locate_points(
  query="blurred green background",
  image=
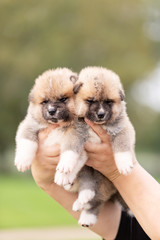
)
(36, 35)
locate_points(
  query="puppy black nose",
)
(101, 115)
(52, 111)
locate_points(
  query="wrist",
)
(111, 171)
(115, 176)
(121, 178)
(43, 177)
(112, 176)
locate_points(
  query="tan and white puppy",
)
(100, 98)
(50, 102)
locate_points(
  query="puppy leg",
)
(87, 219)
(91, 209)
(65, 168)
(124, 162)
(68, 160)
(67, 179)
(87, 188)
(84, 197)
(71, 149)
(72, 157)
(89, 216)
(25, 153)
(26, 143)
(123, 145)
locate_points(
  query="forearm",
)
(142, 194)
(108, 219)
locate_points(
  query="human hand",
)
(44, 165)
(100, 155)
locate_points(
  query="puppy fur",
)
(50, 102)
(58, 98)
(100, 98)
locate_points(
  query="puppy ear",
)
(74, 78)
(122, 96)
(77, 87)
(30, 97)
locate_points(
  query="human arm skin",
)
(43, 170)
(139, 189)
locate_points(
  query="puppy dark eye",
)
(45, 101)
(109, 101)
(63, 99)
(90, 101)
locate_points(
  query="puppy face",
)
(99, 95)
(51, 99)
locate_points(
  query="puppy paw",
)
(77, 206)
(68, 187)
(85, 196)
(25, 154)
(22, 167)
(87, 219)
(61, 179)
(68, 160)
(65, 180)
(124, 162)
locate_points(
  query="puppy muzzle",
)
(101, 114)
(52, 110)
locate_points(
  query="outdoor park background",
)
(37, 35)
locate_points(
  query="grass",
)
(23, 204)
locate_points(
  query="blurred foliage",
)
(37, 35)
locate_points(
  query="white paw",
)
(124, 162)
(77, 206)
(68, 160)
(61, 179)
(87, 219)
(25, 153)
(65, 180)
(85, 196)
(23, 166)
(68, 187)
(71, 178)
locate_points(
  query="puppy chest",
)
(93, 137)
(55, 137)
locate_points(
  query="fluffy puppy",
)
(50, 102)
(100, 98)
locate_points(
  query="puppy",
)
(50, 102)
(99, 97)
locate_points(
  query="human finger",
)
(93, 147)
(49, 162)
(89, 163)
(99, 131)
(53, 150)
(98, 148)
